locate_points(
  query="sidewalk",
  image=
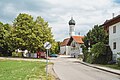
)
(114, 71)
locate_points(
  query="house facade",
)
(75, 43)
(112, 26)
(64, 48)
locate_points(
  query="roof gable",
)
(77, 39)
(110, 22)
(65, 42)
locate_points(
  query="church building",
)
(72, 45)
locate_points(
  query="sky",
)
(57, 13)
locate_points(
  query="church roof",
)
(72, 22)
(77, 39)
(65, 42)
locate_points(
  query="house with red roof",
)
(112, 26)
(75, 43)
(64, 48)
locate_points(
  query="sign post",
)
(47, 46)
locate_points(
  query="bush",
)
(85, 53)
(17, 54)
(1, 54)
(14, 54)
(99, 53)
(89, 58)
(118, 61)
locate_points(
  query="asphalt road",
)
(70, 69)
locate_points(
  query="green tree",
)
(55, 47)
(23, 25)
(44, 32)
(98, 53)
(25, 33)
(96, 35)
(5, 43)
(30, 34)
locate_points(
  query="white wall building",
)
(75, 43)
(112, 26)
(66, 46)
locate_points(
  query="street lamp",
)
(89, 46)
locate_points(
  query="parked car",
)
(53, 55)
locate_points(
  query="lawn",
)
(114, 66)
(22, 70)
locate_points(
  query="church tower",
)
(71, 27)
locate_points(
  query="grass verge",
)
(114, 66)
(22, 70)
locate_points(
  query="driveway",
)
(70, 69)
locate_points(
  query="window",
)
(114, 45)
(114, 29)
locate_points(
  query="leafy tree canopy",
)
(25, 33)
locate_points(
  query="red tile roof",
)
(110, 22)
(78, 39)
(65, 42)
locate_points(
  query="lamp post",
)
(89, 46)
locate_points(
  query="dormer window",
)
(114, 29)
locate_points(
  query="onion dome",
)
(72, 22)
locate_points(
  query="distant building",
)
(66, 46)
(112, 26)
(75, 43)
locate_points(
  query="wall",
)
(114, 37)
(62, 49)
(65, 49)
(75, 51)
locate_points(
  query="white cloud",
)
(86, 13)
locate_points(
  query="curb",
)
(53, 72)
(87, 64)
(56, 77)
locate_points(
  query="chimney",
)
(113, 15)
